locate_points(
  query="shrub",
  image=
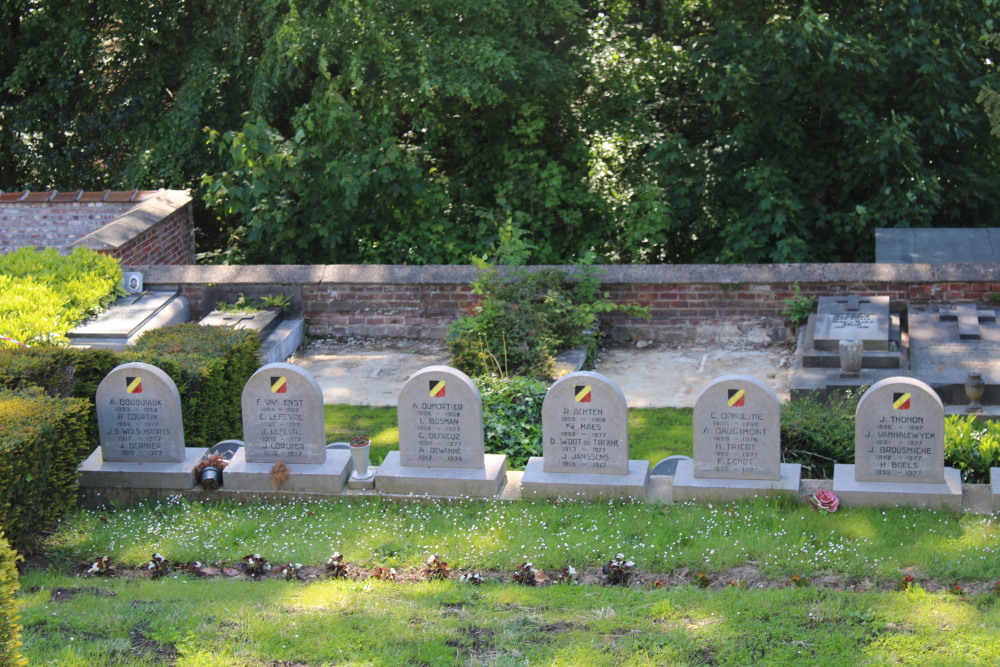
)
(819, 433)
(520, 324)
(42, 441)
(210, 365)
(972, 447)
(10, 629)
(44, 294)
(512, 417)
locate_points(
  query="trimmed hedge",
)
(10, 629)
(42, 441)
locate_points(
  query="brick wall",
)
(136, 227)
(687, 303)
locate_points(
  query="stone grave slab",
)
(864, 318)
(282, 407)
(441, 450)
(737, 444)
(949, 343)
(128, 317)
(584, 443)
(280, 336)
(898, 450)
(262, 322)
(141, 433)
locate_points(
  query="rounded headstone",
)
(283, 416)
(899, 433)
(585, 426)
(224, 448)
(737, 430)
(440, 414)
(139, 415)
(668, 466)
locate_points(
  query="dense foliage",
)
(10, 628)
(42, 441)
(972, 447)
(428, 131)
(512, 417)
(523, 320)
(818, 432)
(43, 294)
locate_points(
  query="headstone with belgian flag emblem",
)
(283, 416)
(440, 420)
(139, 416)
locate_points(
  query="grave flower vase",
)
(360, 447)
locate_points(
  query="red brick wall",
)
(45, 225)
(171, 241)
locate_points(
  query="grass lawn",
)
(750, 555)
(654, 433)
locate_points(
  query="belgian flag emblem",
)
(437, 389)
(583, 393)
(901, 401)
(737, 398)
(279, 385)
(133, 385)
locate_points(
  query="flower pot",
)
(974, 388)
(359, 455)
(210, 478)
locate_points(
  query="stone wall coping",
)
(135, 221)
(733, 274)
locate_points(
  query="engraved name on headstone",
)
(899, 433)
(737, 430)
(585, 426)
(440, 415)
(139, 415)
(283, 416)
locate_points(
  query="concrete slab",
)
(688, 487)
(328, 477)
(995, 488)
(394, 478)
(937, 246)
(882, 494)
(536, 483)
(282, 342)
(97, 473)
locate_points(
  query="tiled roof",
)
(56, 197)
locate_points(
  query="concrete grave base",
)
(881, 494)
(394, 478)
(536, 483)
(328, 477)
(95, 472)
(995, 488)
(688, 487)
(283, 341)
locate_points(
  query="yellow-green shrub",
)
(10, 629)
(43, 294)
(42, 441)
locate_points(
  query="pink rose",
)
(824, 500)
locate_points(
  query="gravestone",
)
(282, 407)
(584, 443)
(899, 450)
(839, 320)
(948, 343)
(280, 335)
(141, 432)
(261, 322)
(441, 450)
(737, 444)
(130, 316)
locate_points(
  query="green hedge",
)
(10, 629)
(42, 441)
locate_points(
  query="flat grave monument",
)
(584, 443)
(898, 450)
(129, 317)
(141, 433)
(737, 444)
(441, 449)
(283, 422)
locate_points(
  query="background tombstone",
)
(283, 423)
(584, 443)
(899, 450)
(441, 448)
(129, 317)
(141, 433)
(737, 444)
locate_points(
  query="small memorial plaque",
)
(852, 318)
(585, 426)
(440, 415)
(899, 433)
(737, 430)
(283, 416)
(139, 415)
